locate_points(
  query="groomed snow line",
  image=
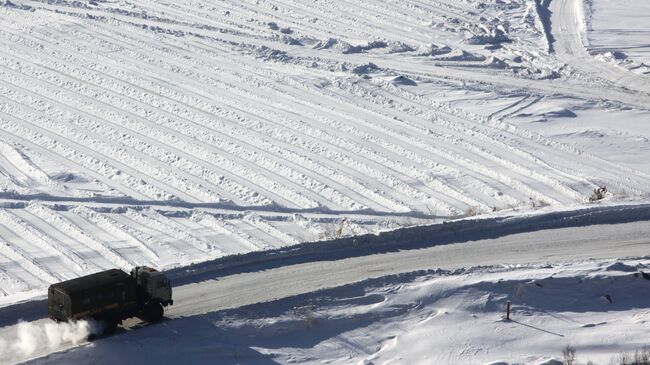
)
(260, 151)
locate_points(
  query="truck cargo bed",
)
(110, 293)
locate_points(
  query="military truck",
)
(111, 296)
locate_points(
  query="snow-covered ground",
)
(441, 317)
(572, 246)
(620, 34)
(171, 133)
(179, 133)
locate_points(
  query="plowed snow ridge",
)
(170, 134)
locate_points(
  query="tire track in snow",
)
(470, 145)
(14, 284)
(525, 102)
(490, 133)
(309, 184)
(63, 155)
(262, 224)
(170, 159)
(338, 129)
(351, 128)
(502, 143)
(403, 188)
(573, 175)
(515, 136)
(118, 155)
(28, 264)
(548, 199)
(271, 183)
(313, 183)
(289, 80)
(64, 225)
(230, 186)
(449, 153)
(153, 219)
(23, 163)
(97, 141)
(252, 243)
(83, 156)
(140, 239)
(338, 19)
(29, 232)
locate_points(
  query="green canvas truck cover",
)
(98, 294)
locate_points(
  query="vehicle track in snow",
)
(506, 166)
(251, 147)
(568, 28)
(602, 233)
(168, 134)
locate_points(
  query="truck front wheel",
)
(154, 312)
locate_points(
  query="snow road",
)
(215, 290)
(599, 241)
(569, 30)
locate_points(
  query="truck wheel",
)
(110, 326)
(154, 312)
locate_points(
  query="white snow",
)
(507, 261)
(441, 317)
(619, 34)
(177, 133)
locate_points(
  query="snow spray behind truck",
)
(111, 296)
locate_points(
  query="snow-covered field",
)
(174, 133)
(171, 133)
(620, 34)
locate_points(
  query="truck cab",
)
(153, 285)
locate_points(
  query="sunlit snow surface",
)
(170, 133)
(443, 317)
(620, 32)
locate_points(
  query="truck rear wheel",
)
(110, 326)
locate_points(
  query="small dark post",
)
(508, 310)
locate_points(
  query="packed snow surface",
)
(171, 133)
(436, 317)
(261, 308)
(619, 34)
